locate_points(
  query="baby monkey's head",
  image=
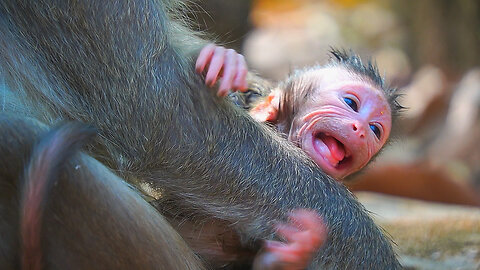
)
(340, 113)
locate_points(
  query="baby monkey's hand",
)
(226, 64)
(305, 234)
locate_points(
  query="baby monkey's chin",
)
(329, 153)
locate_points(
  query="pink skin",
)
(304, 234)
(338, 138)
(226, 64)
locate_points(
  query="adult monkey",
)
(77, 221)
(119, 65)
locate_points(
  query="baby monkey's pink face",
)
(343, 123)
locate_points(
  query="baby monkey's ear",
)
(266, 110)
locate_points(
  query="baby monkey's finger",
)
(204, 57)
(215, 66)
(229, 72)
(240, 82)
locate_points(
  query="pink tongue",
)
(337, 150)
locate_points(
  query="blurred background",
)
(425, 188)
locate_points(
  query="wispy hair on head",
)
(369, 70)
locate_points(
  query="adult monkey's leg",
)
(91, 220)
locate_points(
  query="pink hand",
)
(305, 234)
(222, 63)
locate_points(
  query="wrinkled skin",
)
(344, 123)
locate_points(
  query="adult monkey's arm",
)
(113, 64)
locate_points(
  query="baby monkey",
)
(340, 113)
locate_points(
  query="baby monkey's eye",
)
(350, 102)
(375, 130)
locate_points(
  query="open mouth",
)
(332, 150)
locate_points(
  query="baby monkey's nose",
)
(358, 129)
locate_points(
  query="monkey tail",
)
(46, 162)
